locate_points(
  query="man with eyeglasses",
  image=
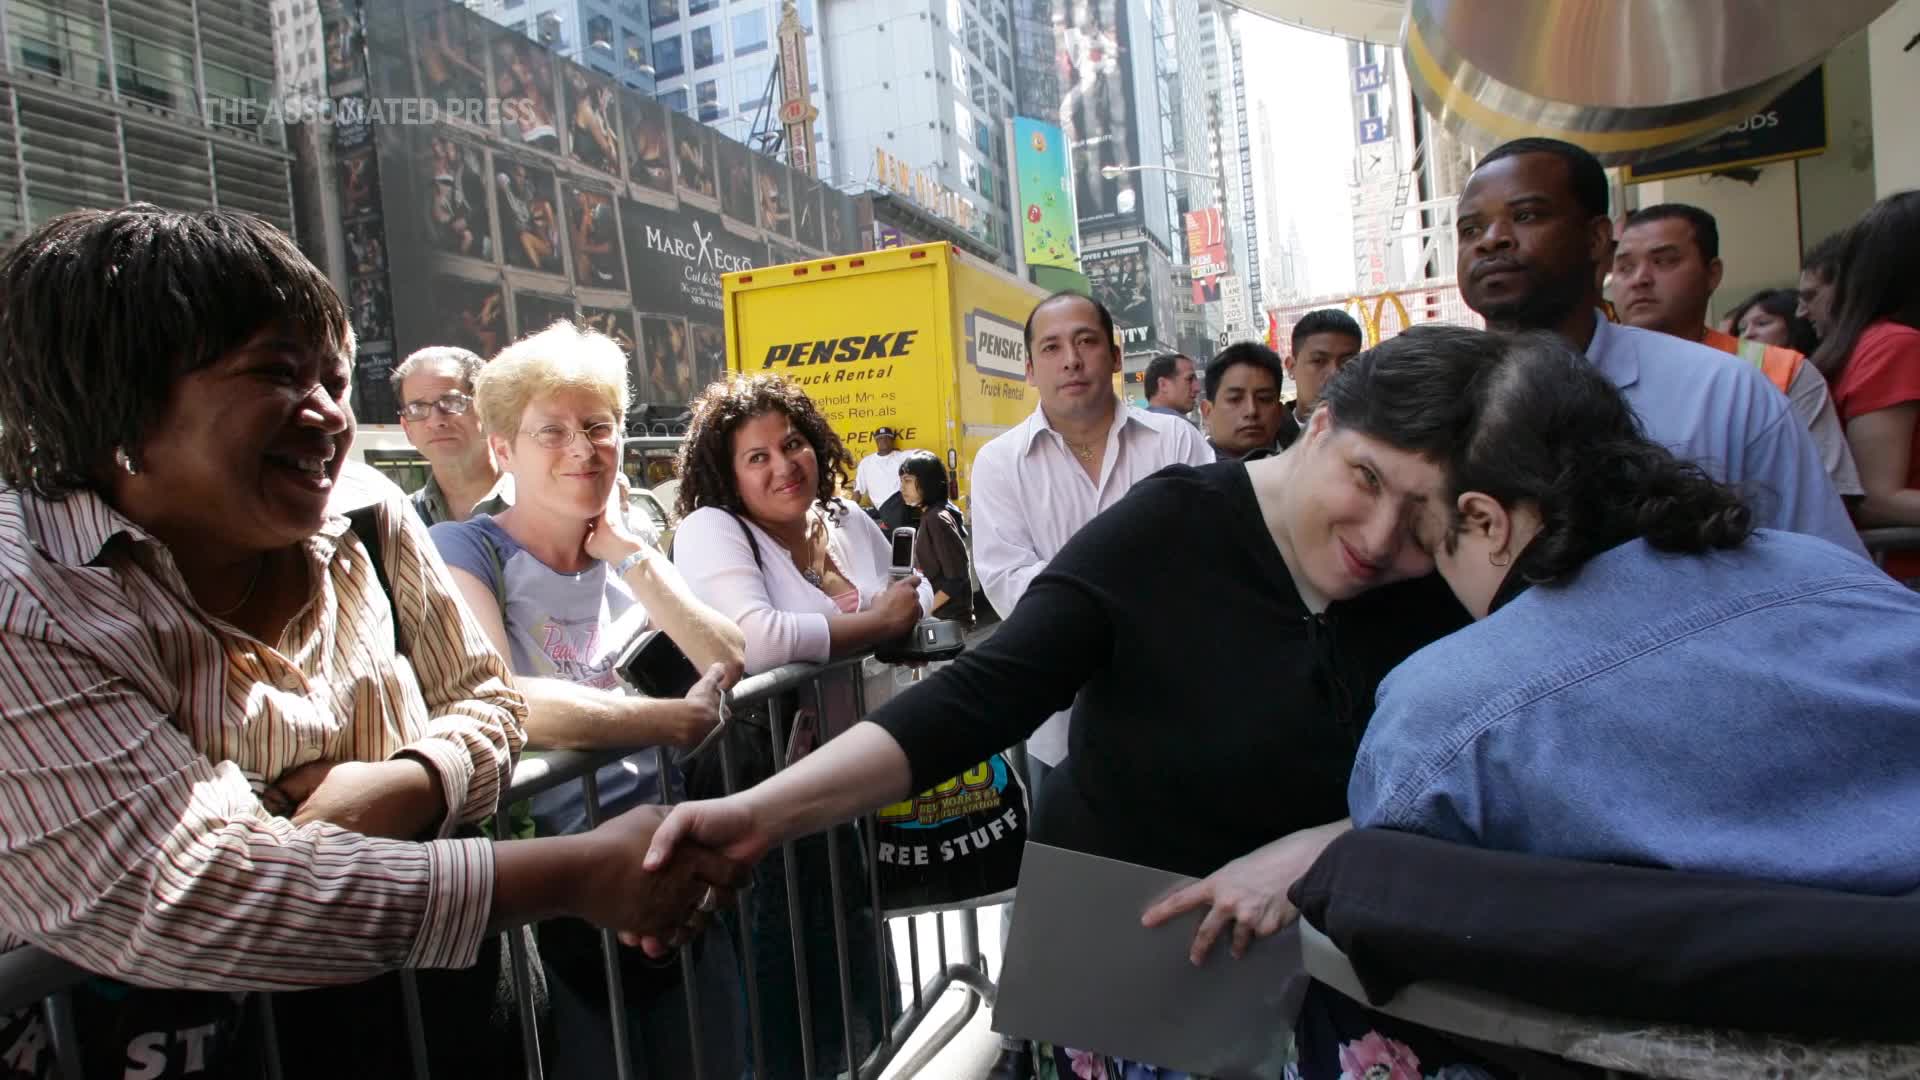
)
(435, 388)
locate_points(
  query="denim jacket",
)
(1752, 712)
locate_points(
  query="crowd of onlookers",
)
(1523, 589)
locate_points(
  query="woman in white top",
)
(805, 575)
(561, 584)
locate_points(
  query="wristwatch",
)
(620, 568)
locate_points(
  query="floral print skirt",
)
(1059, 1063)
(1338, 1038)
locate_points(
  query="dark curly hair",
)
(705, 463)
(1549, 430)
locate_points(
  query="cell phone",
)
(656, 667)
(902, 553)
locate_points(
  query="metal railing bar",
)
(883, 972)
(837, 893)
(913, 954)
(689, 976)
(743, 908)
(60, 1031)
(270, 1038)
(520, 961)
(416, 1023)
(843, 962)
(789, 861)
(610, 951)
(30, 976)
(544, 770)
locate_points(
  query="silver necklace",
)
(259, 569)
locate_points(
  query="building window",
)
(704, 54)
(553, 32)
(662, 12)
(600, 33)
(667, 61)
(983, 138)
(750, 86)
(513, 3)
(675, 100)
(701, 7)
(636, 50)
(706, 96)
(749, 31)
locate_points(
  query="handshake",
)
(655, 875)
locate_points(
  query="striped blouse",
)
(137, 732)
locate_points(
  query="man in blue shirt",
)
(1171, 385)
(1534, 233)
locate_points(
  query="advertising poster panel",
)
(1122, 279)
(530, 189)
(1206, 253)
(1049, 233)
(1097, 109)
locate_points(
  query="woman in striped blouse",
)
(228, 760)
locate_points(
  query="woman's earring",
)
(121, 457)
(1501, 560)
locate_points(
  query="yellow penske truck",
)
(926, 340)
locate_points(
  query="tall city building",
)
(601, 35)
(171, 104)
(1231, 136)
(1189, 87)
(561, 195)
(298, 47)
(1283, 274)
(918, 102)
(1409, 173)
(1109, 73)
(717, 62)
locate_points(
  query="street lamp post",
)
(1114, 172)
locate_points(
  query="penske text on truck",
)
(925, 340)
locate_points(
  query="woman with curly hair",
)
(764, 540)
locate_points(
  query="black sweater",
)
(1214, 713)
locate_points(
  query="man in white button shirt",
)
(1036, 485)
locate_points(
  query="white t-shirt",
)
(878, 476)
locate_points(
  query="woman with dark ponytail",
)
(1650, 679)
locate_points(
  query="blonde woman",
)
(560, 584)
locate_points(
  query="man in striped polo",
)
(1666, 267)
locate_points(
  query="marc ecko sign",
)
(843, 350)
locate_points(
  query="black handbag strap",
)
(366, 525)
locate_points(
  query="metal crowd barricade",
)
(30, 976)
(1883, 542)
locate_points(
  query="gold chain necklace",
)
(1084, 453)
(253, 583)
